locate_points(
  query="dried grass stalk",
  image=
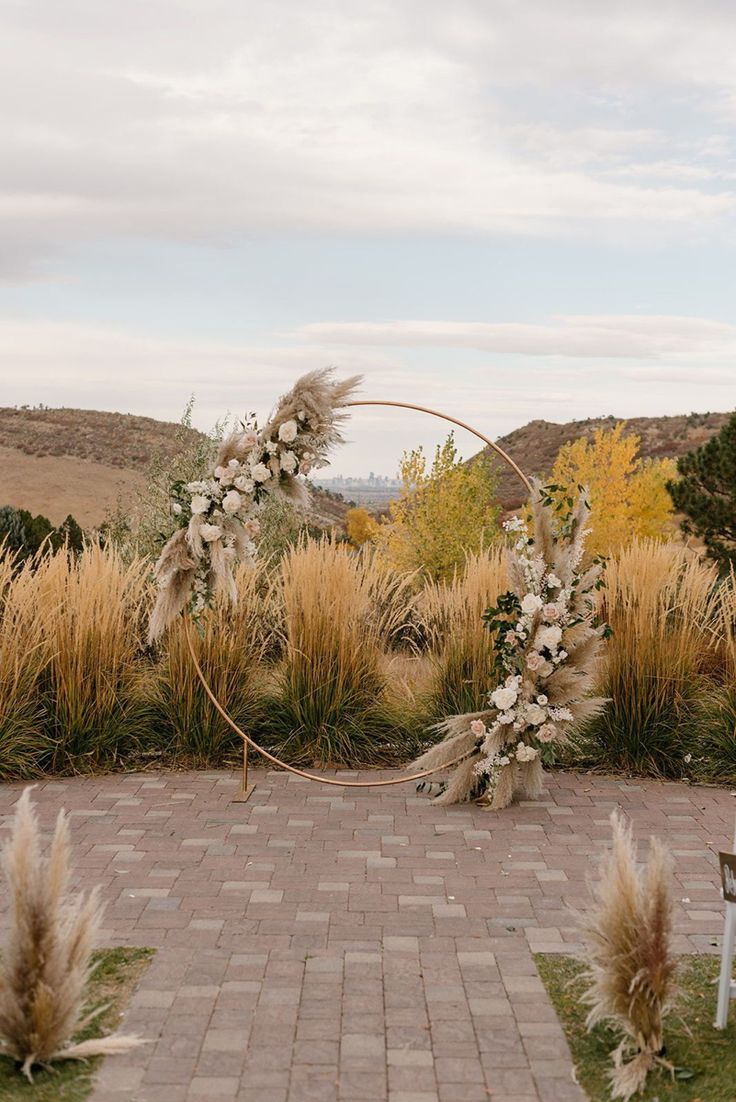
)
(629, 958)
(46, 960)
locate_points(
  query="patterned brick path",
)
(319, 943)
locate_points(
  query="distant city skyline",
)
(505, 212)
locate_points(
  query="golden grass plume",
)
(46, 960)
(628, 955)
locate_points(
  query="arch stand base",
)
(246, 790)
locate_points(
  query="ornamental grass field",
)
(333, 658)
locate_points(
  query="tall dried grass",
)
(332, 703)
(46, 960)
(450, 617)
(231, 653)
(23, 658)
(629, 958)
(89, 611)
(663, 606)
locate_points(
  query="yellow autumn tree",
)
(628, 495)
(442, 513)
(360, 526)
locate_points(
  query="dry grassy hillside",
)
(535, 446)
(84, 461)
(60, 461)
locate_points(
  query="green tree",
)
(706, 493)
(441, 514)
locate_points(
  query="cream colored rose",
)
(550, 612)
(478, 727)
(289, 462)
(534, 662)
(548, 637)
(200, 504)
(232, 502)
(531, 603)
(260, 473)
(525, 753)
(288, 431)
(504, 698)
(245, 484)
(547, 733)
(535, 714)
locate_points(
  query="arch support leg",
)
(246, 789)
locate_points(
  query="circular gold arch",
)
(245, 789)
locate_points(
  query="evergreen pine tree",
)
(706, 493)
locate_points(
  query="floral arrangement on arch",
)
(547, 638)
(217, 517)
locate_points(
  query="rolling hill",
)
(84, 462)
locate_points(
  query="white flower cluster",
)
(532, 650)
(221, 512)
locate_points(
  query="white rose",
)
(231, 502)
(288, 431)
(200, 504)
(288, 462)
(234, 464)
(478, 727)
(219, 472)
(504, 698)
(531, 604)
(525, 753)
(554, 581)
(542, 699)
(245, 484)
(210, 532)
(535, 714)
(260, 473)
(547, 733)
(548, 637)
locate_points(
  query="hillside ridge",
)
(63, 460)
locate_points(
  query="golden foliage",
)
(628, 496)
(360, 526)
(45, 962)
(630, 962)
(441, 514)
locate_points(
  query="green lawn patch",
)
(117, 974)
(705, 1057)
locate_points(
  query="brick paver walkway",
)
(326, 944)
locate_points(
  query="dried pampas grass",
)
(628, 956)
(45, 962)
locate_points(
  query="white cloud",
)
(203, 120)
(630, 336)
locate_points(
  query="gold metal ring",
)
(248, 741)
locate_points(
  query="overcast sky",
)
(506, 209)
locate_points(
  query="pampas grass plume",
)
(629, 959)
(46, 960)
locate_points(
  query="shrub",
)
(89, 611)
(706, 493)
(662, 605)
(189, 730)
(332, 702)
(23, 658)
(450, 615)
(441, 514)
